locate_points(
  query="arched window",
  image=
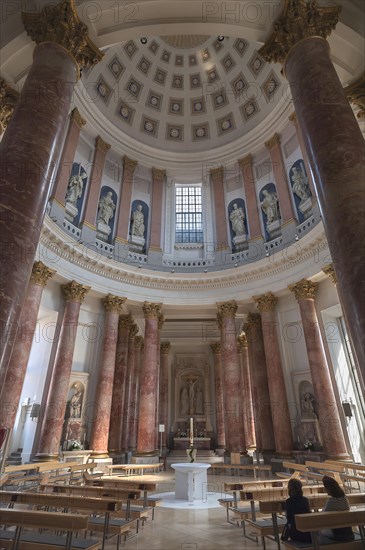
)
(188, 214)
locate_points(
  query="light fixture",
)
(172, 270)
(220, 38)
(143, 40)
(139, 265)
(267, 254)
(296, 237)
(205, 270)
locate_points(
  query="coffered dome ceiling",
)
(183, 92)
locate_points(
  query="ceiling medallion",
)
(185, 41)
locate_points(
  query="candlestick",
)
(191, 432)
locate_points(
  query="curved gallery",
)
(184, 183)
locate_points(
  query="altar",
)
(181, 443)
(191, 480)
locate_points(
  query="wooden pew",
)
(131, 469)
(31, 519)
(254, 468)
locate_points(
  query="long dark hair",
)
(332, 487)
(295, 488)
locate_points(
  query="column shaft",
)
(138, 343)
(217, 177)
(164, 379)
(286, 206)
(249, 421)
(129, 381)
(158, 178)
(219, 400)
(93, 192)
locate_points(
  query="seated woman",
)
(337, 502)
(296, 504)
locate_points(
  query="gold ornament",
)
(102, 145)
(77, 118)
(158, 174)
(151, 311)
(266, 302)
(216, 347)
(41, 274)
(8, 99)
(356, 95)
(304, 289)
(113, 303)
(274, 140)
(165, 347)
(228, 309)
(330, 271)
(138, 342)
(74, 292)
(125, 321)
(246, 161)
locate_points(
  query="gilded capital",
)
(304, 289)
(41, 274)
(60, 24)
(165, 347)
(243, 340)
(217, 174)
(138, 342)
(274, 140)
(113, 303)
(219, 319)
(133, 331)
(266, 302)
(77, 118)
(161, 320)
(158, 174)
(356, 95)
(330, 271)
(8, 99)
(252, 324)
(129, 164)
(102, 145)
(151, 311)
(246, 161)
(299, 19)
(293, 118)
(125, 321)
(216, 347)
(74, 292)
(228, 309)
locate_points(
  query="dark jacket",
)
(297, 505)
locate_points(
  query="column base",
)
(150, 457)
(45, 457)
(341, 457)
(99, 454)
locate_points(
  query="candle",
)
(191, 432)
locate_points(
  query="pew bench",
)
(236, 468)
(29, 519)
(136, 469)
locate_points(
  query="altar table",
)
(191, 480)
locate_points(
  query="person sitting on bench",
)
(337, 502)
(296, 504)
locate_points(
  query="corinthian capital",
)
(161, 320)
(165, 347)
(266, 302)
(125, 321)
(216, 347)
(133, 331)
(41, 274)
(102, 145)
(129, 164)
(356, 95)
(138, 342)
(74, 292)
(304, 289)
(77, 118)
(252, 324)
(151, 311)
(228, 309)
(274, 140)
(299, 19)
(61, 24)
(243, 340)
(158, 174)
(113, 303)
(217, 174)
(330, 271)
(246, 161)
(8, 99)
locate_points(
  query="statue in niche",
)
(270, 205)
(184, 401)
(75, 187)
(300, 183)
(307, 405)
(106, 208)
(138, 222)
(237, 219)
(198, 401)
(75, 402)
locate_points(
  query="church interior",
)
(182, 220)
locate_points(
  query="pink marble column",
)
(158, 178)
(124, 217)
(328, 418)
(219, 400)
(68, 156)
(120, 373)
(93, 189)
(30, 151)
(164, 390)
(217, 179)
(13, 385)
(235, 436)
(161, 321)
(278, 399)
(138, 345)
(286, 205)
(148, 389)
(264, 429)
(103, 401)
(294, 120)
(54, 414)
(248, 416)
(254, 227)
(128, 416)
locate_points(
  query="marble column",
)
(103, 400)
(335, 147)
(138, 345)
(219, 400)
(129, 167)
(161, 321)
(235, 436)
(278, 400)
(264, 430)
(54, 413)
(68, 156)
(93, 189)
(120, 373)
(287, 209)
(148, 389)
(13, 385)
(30, 151)
(164, 391)
(329, 421)
(217, 179)
(248, 416)
(129, 389)
(254, 227)
(158, 178)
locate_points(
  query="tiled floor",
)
(189, 529)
